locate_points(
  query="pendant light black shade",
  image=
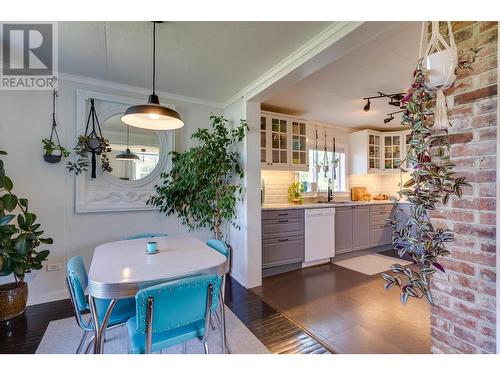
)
(127, 154)
(153, 115)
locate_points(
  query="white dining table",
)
(120, 269)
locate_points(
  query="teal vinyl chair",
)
(146, 235)
(77, 281)
(220, 315)
(173, 313)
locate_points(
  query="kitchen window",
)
(317, 158)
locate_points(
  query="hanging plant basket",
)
(91, 142)
(54, 152)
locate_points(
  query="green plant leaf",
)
(4, 220)
(9, 202)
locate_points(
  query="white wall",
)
(247, 262)
(25, 119)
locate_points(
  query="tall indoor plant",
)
(18, 241)
(201, 187)
(432, 182)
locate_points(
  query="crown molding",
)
(319, 43)
(135, 89)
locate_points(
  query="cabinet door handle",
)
(283, 240)
(283, 214)
(283, 221)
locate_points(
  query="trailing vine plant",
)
(432, 182)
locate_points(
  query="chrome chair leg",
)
(89, 345)
(208, 314)
(82, 342)
(205, 346)
(222, 325)
(184, 347)
(149, 325)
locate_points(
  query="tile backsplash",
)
(378, 183)
(277, 182)
(276, 185)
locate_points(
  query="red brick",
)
(454, 138)
(465, 282)
(464, 295)
(482, 121)
(457, 215)
(475, 257)
(489, 316)
(467, 310)
(474, 149)
(489, 247)
(487, 218)
(465, 335)
(464, 163)
(457, 266)
(488, 331)
(487, 190)
(468, 203)
(441, 324)
(488, 274)
(486, 302)
(487, 37)
(488, 346)
(489, 162)
(465, 322)
(486, 134)
(457, 25)
(480, 66)
(486, 176)
(487, 204)
(485, 79)
(460, 86)
(460, 345)
(459, 112)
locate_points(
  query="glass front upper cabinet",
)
(373, 152)
(392, 151)
(283, 142)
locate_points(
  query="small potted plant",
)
(53, 152)
(295, 191)
(18, 241)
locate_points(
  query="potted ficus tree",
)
(20, 235)
(201, 187)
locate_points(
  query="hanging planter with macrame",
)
(439, 61)
(54, 152)
(91, 142)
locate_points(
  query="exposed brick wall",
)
(464, 319)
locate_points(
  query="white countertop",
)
(284, 206)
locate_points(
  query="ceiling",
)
(204, 60)
(333, 94)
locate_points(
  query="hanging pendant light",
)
(127, 154)
(152, 115)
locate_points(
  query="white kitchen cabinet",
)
(365, 151)
(406, 140)
(283, 142)
(374, 152)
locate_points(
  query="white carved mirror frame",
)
(107, 192)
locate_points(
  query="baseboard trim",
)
(39, 298)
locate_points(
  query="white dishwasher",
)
(319, 234)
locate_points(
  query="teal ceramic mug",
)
(152, 246)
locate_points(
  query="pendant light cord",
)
(154, 57)
(128, 137)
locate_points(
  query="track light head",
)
(388, 119)
(366, 108)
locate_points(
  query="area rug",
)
(63, 336)
(370, 264)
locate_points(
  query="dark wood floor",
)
(273, 329)
(349, 311)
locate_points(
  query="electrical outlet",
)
(54, 267)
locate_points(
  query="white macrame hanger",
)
(438, 44)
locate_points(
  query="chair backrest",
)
(78, 281)
(146, 235)
(177, 303)
(222, 248)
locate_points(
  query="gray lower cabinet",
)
(360, 228)
(343, 230)
(282, 238)
(380, 230)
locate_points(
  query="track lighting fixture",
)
(366, 108)
(391, 116)
(394, 99)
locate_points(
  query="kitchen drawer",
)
(380, 235)
(282, 214)
(273, 228)
(380, 208)
(280, 251)
(377, 218)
